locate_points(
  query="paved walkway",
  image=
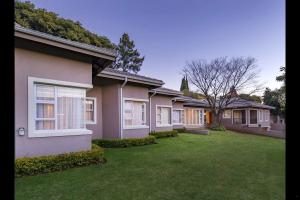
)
(271, 133)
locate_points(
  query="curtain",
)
(45, 97)
(165, 115)
(176, 116)
(134, 113)
(70, 108)
(189, 116)
(196, 117)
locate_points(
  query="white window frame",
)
(225, 116)
(94, 99)
(145, 114)
(267, 115)
(163, 125)
(32, 107)
(246, 115)
(257, 118)
(181, 113)
(261, 115)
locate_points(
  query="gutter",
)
(121, 107)
(150, 110)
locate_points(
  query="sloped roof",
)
(38, 34)
(242, 103)
(117, 74)
(166, 91)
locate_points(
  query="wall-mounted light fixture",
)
(21, 131)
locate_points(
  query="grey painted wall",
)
(98, 127)
(110, 111)
(29, 63)
(159, 100)
(136, 92)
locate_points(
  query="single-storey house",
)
(65, 96)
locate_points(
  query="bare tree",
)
(219, 77)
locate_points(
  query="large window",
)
(134, 114)
(58, 107)
(239, 116)
(163, 115)
(178, 116)
(194, 116)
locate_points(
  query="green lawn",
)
(222, 165)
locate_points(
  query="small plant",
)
(216, 127)
(181, 130)
(163, 134)
(128, 142)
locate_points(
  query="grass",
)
(222, 165)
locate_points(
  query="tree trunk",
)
(216, 119)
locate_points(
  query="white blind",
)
(134, 113)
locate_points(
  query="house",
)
(65, 96)
(247, 113)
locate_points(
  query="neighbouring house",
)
(247, 113)
(65, 96)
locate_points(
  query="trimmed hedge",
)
(216, 127)
(37, 165)
(127, 142)
(163, 134)
(180, 130)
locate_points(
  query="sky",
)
(170, 33)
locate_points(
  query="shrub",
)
(37, 165)
(181, 130)
(163, 134)
(216, 127)
(128, 142)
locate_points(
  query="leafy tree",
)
(49, 22)
(281, 90)
(128, 58)
(271, 98)
(282, 76)
(184, 84)
(251, 97)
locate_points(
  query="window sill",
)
(164, 125)
(177, 123)
(66, 132)
(136, 127)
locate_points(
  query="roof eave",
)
(129, 79)
(47, 39)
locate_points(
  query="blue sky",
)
(170, 33)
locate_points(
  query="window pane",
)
(189, 116)
(165, 115)
(70, 108)
(89, 110)
(44, 124)
(196, 117)
(134, 113)
(89, 116)
(253, 116)
(176, 116)
(44, 110)
(45, 92)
